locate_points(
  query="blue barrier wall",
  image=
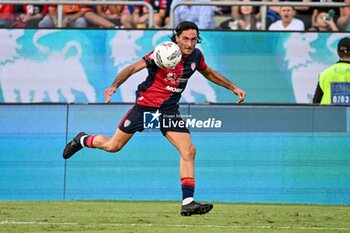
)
(266, 154)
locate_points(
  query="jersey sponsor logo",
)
(174, 89)
(172, 78)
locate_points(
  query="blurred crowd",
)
(206, 17)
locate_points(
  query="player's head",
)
(344, 48)
(186, 36)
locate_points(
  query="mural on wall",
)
(78, 65)
(298, 53)
(24, 79)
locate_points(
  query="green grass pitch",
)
(137, 216)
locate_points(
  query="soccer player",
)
(161, 94)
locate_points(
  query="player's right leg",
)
(108, 144)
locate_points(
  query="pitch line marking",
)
(7, 222)
(235, 226)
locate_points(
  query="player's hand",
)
(108, 93)
(241, 95)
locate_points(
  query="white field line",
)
(6, 222)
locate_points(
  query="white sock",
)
(187, 201)
(82, 140)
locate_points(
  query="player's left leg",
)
(109, 144)
(121, 136)
(183, 143)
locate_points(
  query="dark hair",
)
(253, 19)
(183, 26)
(344, 47)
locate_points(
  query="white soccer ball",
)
(167, 55)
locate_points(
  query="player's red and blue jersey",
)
(162, 88)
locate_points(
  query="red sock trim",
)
(188, 181)
(89, 140)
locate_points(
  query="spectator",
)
(343, 24)
(127, 18)
(326, 9)
(246, 20)
(334, 82)
(272, 13)
(323, 23)
(288, 22)
(7, 15)
(73, 16)
(110, 12)
(140, 15)
(95, 19)
(167, 13)
(344, 20)
(29, 16)
(203, 16)
(304, 13)
(232, 10)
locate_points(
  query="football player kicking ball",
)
(161, 95)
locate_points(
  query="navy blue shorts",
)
(140, 117)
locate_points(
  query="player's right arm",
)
(123, 76)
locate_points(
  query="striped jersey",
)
(162, 88)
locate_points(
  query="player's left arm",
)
(219, 79)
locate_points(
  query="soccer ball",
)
(167, 55)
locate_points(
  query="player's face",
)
(187, 41)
